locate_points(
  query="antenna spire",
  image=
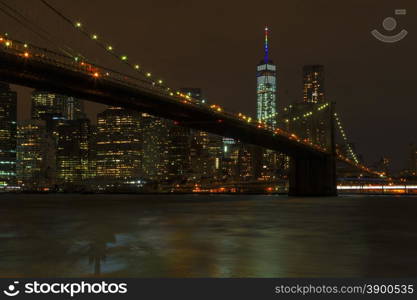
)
(266, 45)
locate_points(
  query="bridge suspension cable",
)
(110, 49)
(35, 28)
(345, 139)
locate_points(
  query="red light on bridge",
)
(219, 121)
(176, 123)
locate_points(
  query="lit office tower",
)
(35, 156)
(155, 148)
(72, 153)
(8, 128)
(119, 147)
(206, 148)
(313, 83)
(47, 106)
(179, 153)
(267, 88)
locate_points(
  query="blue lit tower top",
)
(266, 45)
(267, 88)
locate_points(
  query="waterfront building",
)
(72, 153)
(8, 130)
(206, 155)
(118, 149)
(35, 156)
(155, 148)
(179, 153)
(240, 162)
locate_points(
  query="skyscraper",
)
(119, 148)
(72, 153)
(267, 88)
(267, 109)
(47, 105)
(35, 156)
(313, 83)
(179, 153)
(206, 149)
(8, 128)
(155, 148)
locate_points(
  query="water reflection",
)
(199, 236)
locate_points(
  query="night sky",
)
(216, 45)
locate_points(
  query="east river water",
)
(67, 235)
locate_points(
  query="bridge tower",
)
(315, 176)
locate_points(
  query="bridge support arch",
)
(313, 176)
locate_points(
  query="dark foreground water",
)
(207, 236)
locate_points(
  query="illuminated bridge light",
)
(96, 74)
(148, 74)
(78, 24)
(26, 54)
(94, 37)
(160, 81)
(123, 57)
(110, 48)
(137, 67)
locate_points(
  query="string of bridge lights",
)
(109, 48)
(112, 50)
(307, 114)
(343, 134)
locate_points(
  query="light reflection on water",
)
(207, 236)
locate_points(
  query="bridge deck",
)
(57, 77)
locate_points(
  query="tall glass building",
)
(8, 128)
(47, 105)
(267, 88)
(119, 148)
(72, 153)
(35, 156)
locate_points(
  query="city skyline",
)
(357, 65)
(221, 139)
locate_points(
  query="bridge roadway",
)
(313, 168)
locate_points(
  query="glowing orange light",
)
(96, 74)
(26, 54)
